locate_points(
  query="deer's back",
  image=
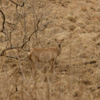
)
(45, 55)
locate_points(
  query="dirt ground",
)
(26, 24)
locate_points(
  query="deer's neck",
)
(59, 49)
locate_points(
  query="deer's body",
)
(45, 55)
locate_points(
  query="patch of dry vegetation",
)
(26, 24)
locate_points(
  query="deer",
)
(46, 55)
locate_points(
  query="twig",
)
(17, 4)
(3, 20)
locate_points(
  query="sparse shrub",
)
(72, 27)
(72, 19)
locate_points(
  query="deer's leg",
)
(52, 66)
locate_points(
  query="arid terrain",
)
(28, 24)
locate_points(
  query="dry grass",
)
(77, 69)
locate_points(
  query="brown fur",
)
(47, 55)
